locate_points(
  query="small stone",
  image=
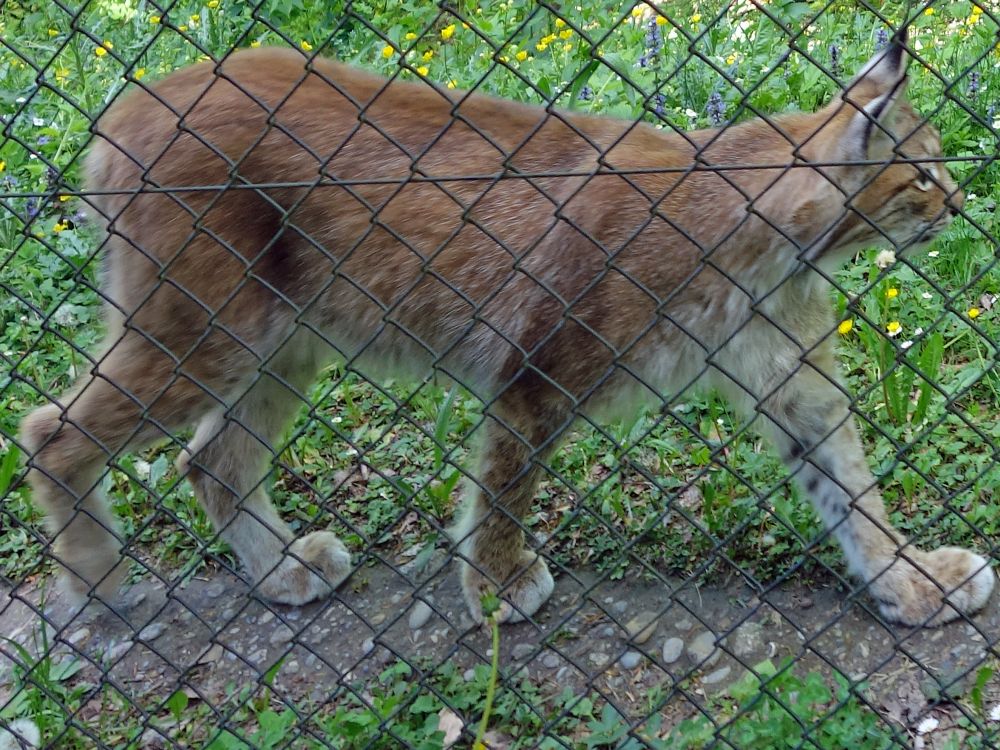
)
(521, 651)
(265, 618)
(562, 674)
(291, 667)
(683, 624)
(152, 739)
(672, 650)
(367, 646)
(717, 676)
(212, 655)
(598, 658)
(469, 675)
(619, 607)
(641, 627)
(138, 599)
(258, 656)
(702, 649)
(551, 660)
(608, 631)
(214, 590)
(396, 598)
(228, 613)
(282, 635)
(119, 650)
(630, 659)
(419, 615)
(378, 618)
(863, 650)
(748, 639)
(77, 636)
(152, 631)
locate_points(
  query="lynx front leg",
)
(815, 431)
(227, 463)
(495, 558)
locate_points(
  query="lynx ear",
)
(875, 95)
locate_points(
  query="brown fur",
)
(554, 264)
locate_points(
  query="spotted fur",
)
(267, 216)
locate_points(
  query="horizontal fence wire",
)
(499, 375)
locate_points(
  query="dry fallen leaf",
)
(451, 725)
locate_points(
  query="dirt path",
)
(207, 635)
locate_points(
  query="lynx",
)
(557, 265)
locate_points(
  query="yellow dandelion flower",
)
(560, 23)
(541, 46)
(845, 327)
(59, 227)
(255, 43)
(549, 39)
(636, 12)
(521, 55)
(568, 46)
(155, 20)
(428, 54)
(731, 60)
(306, 47)
(696, 18)
(213, 4)
(447, 31)
(566, 33)
(973, 312)
(388, 51)
(452, 83)
(182, 27)
(465, 25)
(423, 70)
(929, 12)
(100, 52)
(410, 35)
(976, 10)
(53, 32)
(502, 58)
(893, 327)
(64, 198)
(660, 21)
(139, 73)
(195, 19)
(892, 292)
(107, 44)
(3, 165)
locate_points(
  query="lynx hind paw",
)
(941, 586)
(295, 583)
(524, 595)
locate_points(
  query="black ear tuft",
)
(897, 47)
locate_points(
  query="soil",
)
(622, 638)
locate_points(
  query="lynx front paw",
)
(327, 564)
(936, 588)
(98, 572)
(521, 596)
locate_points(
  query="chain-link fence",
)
(715, 382)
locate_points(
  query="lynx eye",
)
(928, 177)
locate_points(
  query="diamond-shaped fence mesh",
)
(501, 375)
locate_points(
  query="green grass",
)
(374, 453)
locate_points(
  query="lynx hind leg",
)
(69, 444)
(227, 462)
(492, 544)
(815, 432)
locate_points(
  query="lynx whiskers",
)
(592, 269)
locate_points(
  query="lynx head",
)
(904, 196)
